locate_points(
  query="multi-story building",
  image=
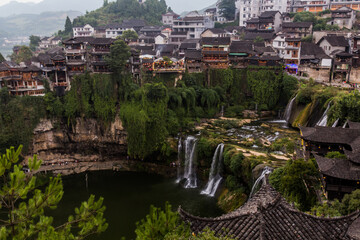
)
(313, 6)
(49, 42)
(168, 18)
(115, 30)
(21, 80)
(297, 29)
(269, 20)
(193, 24)
(344, 17)
(83, 31)
(75, 53)
(353, 4)
(254, 8)
(288, 48)
(215, 52)
(193, 60)
(332, 44)
(100, 48)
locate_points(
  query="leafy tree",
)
(119, 55)
(294, 181)
(307, 39)
(24, 54)
(227, 9)
(1, 58)
(129, 35)
(68, 26)
(24, 204)
(106, 3)
(34, 42)
(350, 203)
(289, 86)
(158, 223)
(336, 155)
(258, 39)
(305, 17)
(330, 209)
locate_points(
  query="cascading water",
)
(189, 170)
(336, 123)
(266, 171)
(215, 171)
(323, 120)
(287, 114)
(179, 175)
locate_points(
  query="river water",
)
(128, 196)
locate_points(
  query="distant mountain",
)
(15, 8)
(42, 24)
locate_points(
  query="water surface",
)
(128, 196)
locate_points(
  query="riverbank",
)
(69, 168)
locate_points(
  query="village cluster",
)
(267, 36)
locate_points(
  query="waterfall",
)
(189, 170)
(214, 176)
(323, 120)
(265, 172)
(345, 124)
(179, 177)
(287, 113)
(336, 123)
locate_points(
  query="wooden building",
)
(339, 176)
(215, 52)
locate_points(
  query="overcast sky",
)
(178, 6)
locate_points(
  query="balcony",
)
(75, 51)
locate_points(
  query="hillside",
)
(35, 24)
(119, 10)
(16, 8)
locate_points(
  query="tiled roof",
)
(336, 41)
(263, 35)
(241, 47)
(338, 168)
(311, 51)
(268, 14)
(268, 216)
(193, 54)
(296, 24)
(215, 41)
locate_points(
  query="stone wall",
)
(86, 140)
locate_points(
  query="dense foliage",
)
(227, 9)
(296, 181)
(23, 55)
(24, 203)
(319, 22)
(18, 117)
(346, 106)
(166, 225)
(119, 10)
(349, 204)
(34, 42)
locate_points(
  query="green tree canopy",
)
(24, 204)
(119, 55)
(129, 35)
(1, 58)
(68, 26)
(34, 42)
(227, 9)
(23, 55)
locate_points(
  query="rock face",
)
(86, 140)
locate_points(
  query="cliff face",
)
(86, 141)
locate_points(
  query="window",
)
(288, 52)
(279, 44)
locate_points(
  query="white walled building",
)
(193, 24)
(168, 18)
(115, 30)
(253, 8)
(83, 31)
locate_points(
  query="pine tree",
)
(24, 205)
(68, 25)
(1, 58)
